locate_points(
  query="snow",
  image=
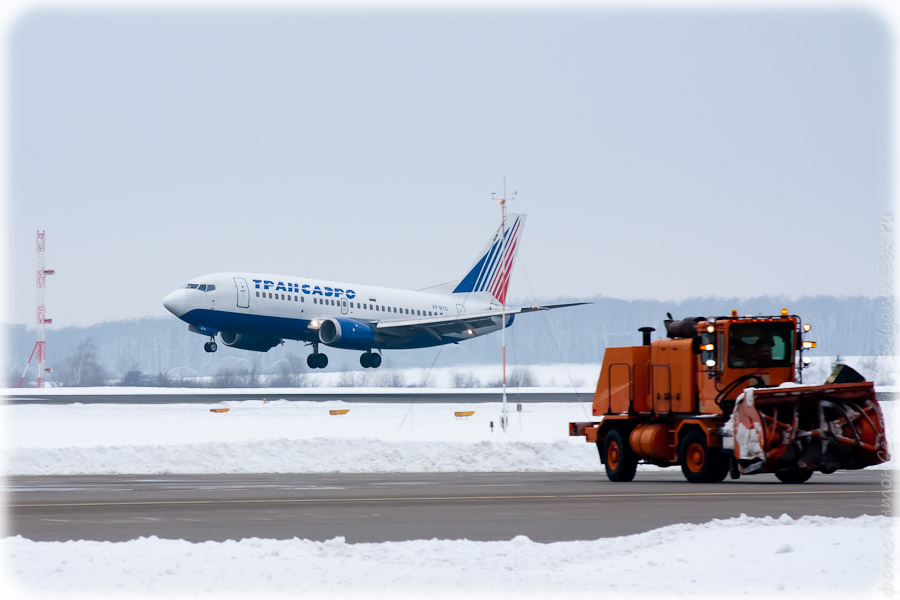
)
(283, 436)
(744, 555)
(748, 556)
(287, 437)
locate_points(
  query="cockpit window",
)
(204, 287)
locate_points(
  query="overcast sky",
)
(658, 154)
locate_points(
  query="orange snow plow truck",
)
(724, 395)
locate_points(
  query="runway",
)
(546, 507)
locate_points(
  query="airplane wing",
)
(462, 326)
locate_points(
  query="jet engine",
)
(348, 334)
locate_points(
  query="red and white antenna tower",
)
(504, 413)
(42, 319)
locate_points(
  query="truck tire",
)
(699, 462)
(620, 460)
(793, 475)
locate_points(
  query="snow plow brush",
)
(793, 431)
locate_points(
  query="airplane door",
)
(460, 309)
(345, 306)
(243, 292)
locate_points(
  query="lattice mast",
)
(42, 320)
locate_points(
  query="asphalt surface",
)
(545, 507)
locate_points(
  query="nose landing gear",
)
(211, 345)
(370, 360)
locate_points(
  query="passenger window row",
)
(359, 305)
(288, 297)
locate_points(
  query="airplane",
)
(256, 311)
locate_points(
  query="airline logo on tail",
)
(491, 272)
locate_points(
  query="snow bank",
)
(744, 555)
(291, 437)
(296, 437)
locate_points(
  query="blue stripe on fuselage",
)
(297, 329)
(280, 327)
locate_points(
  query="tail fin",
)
(491, 270)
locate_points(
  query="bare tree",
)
(134, 377)
(290, 372)
(391, 379)
(519, 377)
(464, 380)
(231, 378)
(80, 367)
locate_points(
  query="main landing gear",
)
(316, 360)
(370, 360)
(211, 345)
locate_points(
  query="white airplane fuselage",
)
(278, 307)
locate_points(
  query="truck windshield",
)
(756, 345)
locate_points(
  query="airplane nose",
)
(176, 303)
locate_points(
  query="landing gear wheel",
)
(210, 346)
(794, 475)
(316, 361)
(699, 462)
(370, 360)
(621, 462)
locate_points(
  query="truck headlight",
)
(711, 363)
(806, 361)
(807, 327)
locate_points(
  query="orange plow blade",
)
(815, 428)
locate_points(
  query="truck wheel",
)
(723, 466)
(621, 462)
(699, 462)
(793, 475)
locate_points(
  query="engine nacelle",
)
(348, 334)
(244, 341)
